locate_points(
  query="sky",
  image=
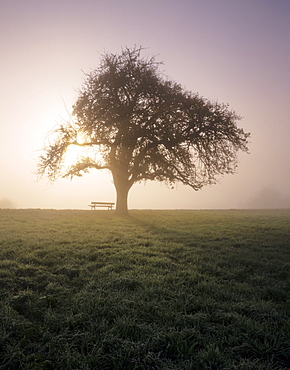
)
(230, 51)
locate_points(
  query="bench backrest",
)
(110, 203)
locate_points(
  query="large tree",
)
(141, 125)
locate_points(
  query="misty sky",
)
(232, 51)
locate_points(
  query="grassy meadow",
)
(156, 290)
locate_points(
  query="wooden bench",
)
(108, 205)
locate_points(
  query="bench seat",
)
(108, 205)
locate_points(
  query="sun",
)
(73, 154)
(76, 152)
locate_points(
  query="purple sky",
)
(232, 51)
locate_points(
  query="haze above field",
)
(232, 51)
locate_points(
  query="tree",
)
(144, 126)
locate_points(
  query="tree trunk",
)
(122, 187)
(122, 199)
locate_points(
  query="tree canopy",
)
(140, 125)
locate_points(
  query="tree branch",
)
(84, 166)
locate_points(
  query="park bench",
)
(108, 205)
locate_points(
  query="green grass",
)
(156, 290)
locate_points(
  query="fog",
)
(231, 51)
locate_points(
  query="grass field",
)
(156, 290)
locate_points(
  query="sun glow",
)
(73, 154)
(79, 152)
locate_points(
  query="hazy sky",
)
(232, 51)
